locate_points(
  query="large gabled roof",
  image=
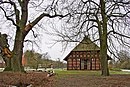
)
(85, 45)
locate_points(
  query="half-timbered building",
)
(85, 56)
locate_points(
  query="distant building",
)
(85, 56)
(24, 60)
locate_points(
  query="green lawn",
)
(98, 73)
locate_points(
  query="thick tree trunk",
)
(103, 49)
(103, 40)
(16, 62)
(103, 56)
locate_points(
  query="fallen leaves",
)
(24, 79)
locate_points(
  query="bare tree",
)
(18, 13)
(103, 20)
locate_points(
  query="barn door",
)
(82, 64)
(85, 64)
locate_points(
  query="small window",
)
(69, 59)
(88, 55)
(74, 60)
(81, 55)
(77, 52)
(77, 55)
(78, 59)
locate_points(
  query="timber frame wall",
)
(83, 60)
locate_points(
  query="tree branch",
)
(7, 17)
(15, 10)
(121, 34)
(24, 10)
(46, 15)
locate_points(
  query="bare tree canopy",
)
(106, 21)
(85, 16)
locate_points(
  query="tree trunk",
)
(103, 40)
(103, 48)
(16, 62)
(8, 64)
(103, 56)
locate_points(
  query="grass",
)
(69, 72)
(85, 72)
